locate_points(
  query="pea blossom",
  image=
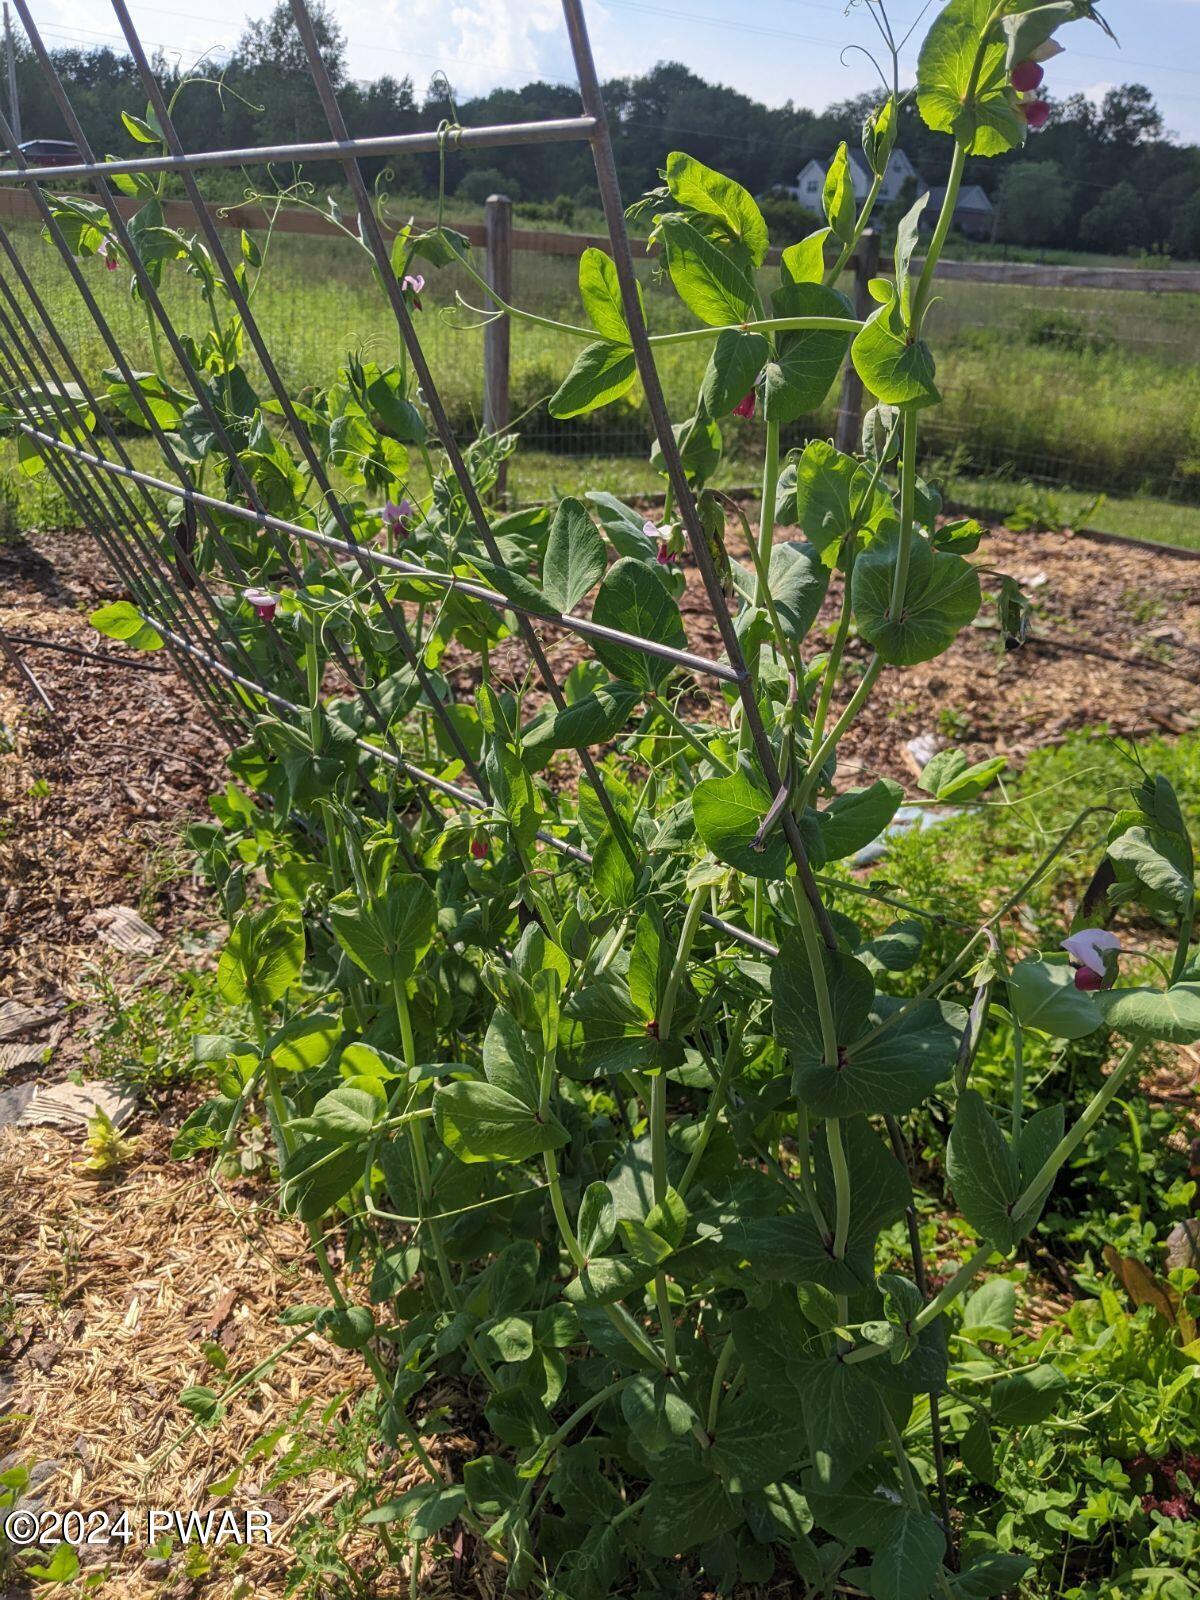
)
(1093, 953)
(412, 287)
(263, 601)
(1037, 113)
(745, 408)
(108, 252)
(398, 517)
(1027, 76)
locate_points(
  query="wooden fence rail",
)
(500, 240)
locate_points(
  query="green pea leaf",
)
(120, 620)
(909, 1557)
(263, 957)
(896, 369)
(733, 369)
(798, 581)
(706, 277)
(601, 374)
(1025, 1398)
(712, 194)
(594, 718)
(962, 82)
(480, 1122)
(843, 1417)
(807, 361)
(831, 494)
(941, 596)
(683, 1511)
(837, 197)
(729, 813)
(600, 291)
(884, 1076)
(635, 600)
(1172, 1015)
(858, 817)
(575, 559)
(983, 1171)
(1043, 995)
(1155, 866)
(805, 262)
(597, 1224)
(656, 1413)
(387, 937)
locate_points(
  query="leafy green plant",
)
(611, 1081)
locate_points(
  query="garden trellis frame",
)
(149, 549)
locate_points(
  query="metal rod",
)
(32, 642)
(61, 401)
(580, 625)
(393, 617)
(373, 236)
(614, 214)
(453, 791)
(150, 295)
(78, 495)
(557, 130)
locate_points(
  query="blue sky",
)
(775, 50)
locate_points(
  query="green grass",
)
(979, 857)
(1095, 390)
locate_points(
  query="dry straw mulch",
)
(117, 1287)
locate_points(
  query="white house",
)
(973, 213)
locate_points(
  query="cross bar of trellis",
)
(100, 487)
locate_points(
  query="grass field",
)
(1079, 392)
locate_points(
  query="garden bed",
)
(119, 1284)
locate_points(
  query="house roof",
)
(970, 198)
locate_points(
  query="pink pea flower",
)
(479, 847)
(745, 408)
(413, 287)
(398, 517)
(108, 252)
(666, 557)
(1037, 113)
(1093, 953)
(1027, 76)
(263, 601)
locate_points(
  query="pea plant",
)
(592, 1071)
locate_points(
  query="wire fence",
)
(1048, 387)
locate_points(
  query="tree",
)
(1035, 204)
(273, 45)
(1115, 224)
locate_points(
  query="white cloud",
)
(477, 43)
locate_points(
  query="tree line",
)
(1102, 176)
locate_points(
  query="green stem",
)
(853, 706)
(689, 737)
(1018, 1083)
(907, 1481)
(815, 952)
(908, 501)
(941, 231)
(716, 1104)
(724, 1360)
(841, 1184)
(807, 1187)
(1071, 1141)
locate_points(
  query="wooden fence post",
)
(850, 404)
(497, 337)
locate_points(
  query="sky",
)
(773, 50)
